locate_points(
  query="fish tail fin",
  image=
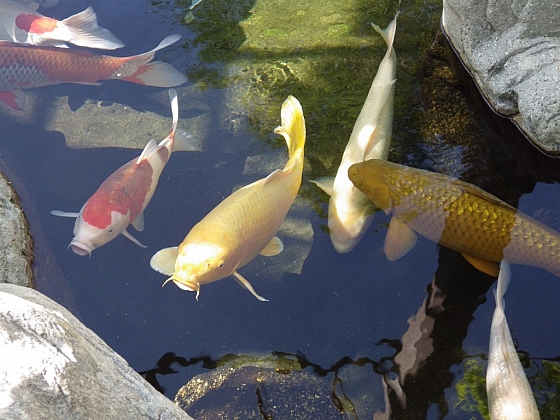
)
(503, 282)
(82, 29)
(182, 141)
(388, 33)
(155, 73)
(293, 127)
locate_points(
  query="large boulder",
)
(16, 248)
(512, 50)
(53, 367)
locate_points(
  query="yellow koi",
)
(455, 214)
(244, 224)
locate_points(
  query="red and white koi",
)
(28, 66)
(19, 23)
(121, 199)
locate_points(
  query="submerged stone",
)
(252, 392)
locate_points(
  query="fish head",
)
(370, 177)
(200, 263)
(88, 236)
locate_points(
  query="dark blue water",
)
(337, 307)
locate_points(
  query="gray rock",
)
(16, 248)
(512, 50)
(53, 367)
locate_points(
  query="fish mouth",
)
(80, 249)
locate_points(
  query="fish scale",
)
(458, 215)
(29, 66)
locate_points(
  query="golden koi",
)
(350, 211)
(509, 394)
(244, 224)
(455, 214)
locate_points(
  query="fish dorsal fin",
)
(163, 261)
(480, 193)
(64, 213)
(274, 247)
(138, 223)
(326, 183)
(150, 148)
(245, 284)
(488, 267)
(133, 239)
(399, 240)
(272, 176)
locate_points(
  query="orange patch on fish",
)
(119, 194)
(35, 25)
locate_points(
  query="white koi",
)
(509, 394)
(19, 23)
(350, 211)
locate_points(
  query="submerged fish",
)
(18, 23)
(455, 214)
(509, 394)
(28, 66)
(350, 211)
(244, 224)
(121, 199)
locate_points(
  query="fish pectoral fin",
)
(488, 267)
(163, 261)
(245, 283)
(274, 247)
(326, 183)
(133, 239)
(15, 99)
(399, 240)
(64, 213)
(138, 223)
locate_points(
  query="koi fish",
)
(121, 199)
(244, 224)
(28, 66)
(455, 214)
(350, 211)
(18, 23)
(509, 394)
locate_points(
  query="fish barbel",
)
(350, 211)
(509, 394)
(455, 214)
(28, 66)
(243, 225)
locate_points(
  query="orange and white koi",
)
(19, 23)
(121, 199)
(28, 66)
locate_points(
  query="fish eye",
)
(111, 229)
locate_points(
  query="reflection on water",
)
(342, 318)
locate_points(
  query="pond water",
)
(357, 316)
